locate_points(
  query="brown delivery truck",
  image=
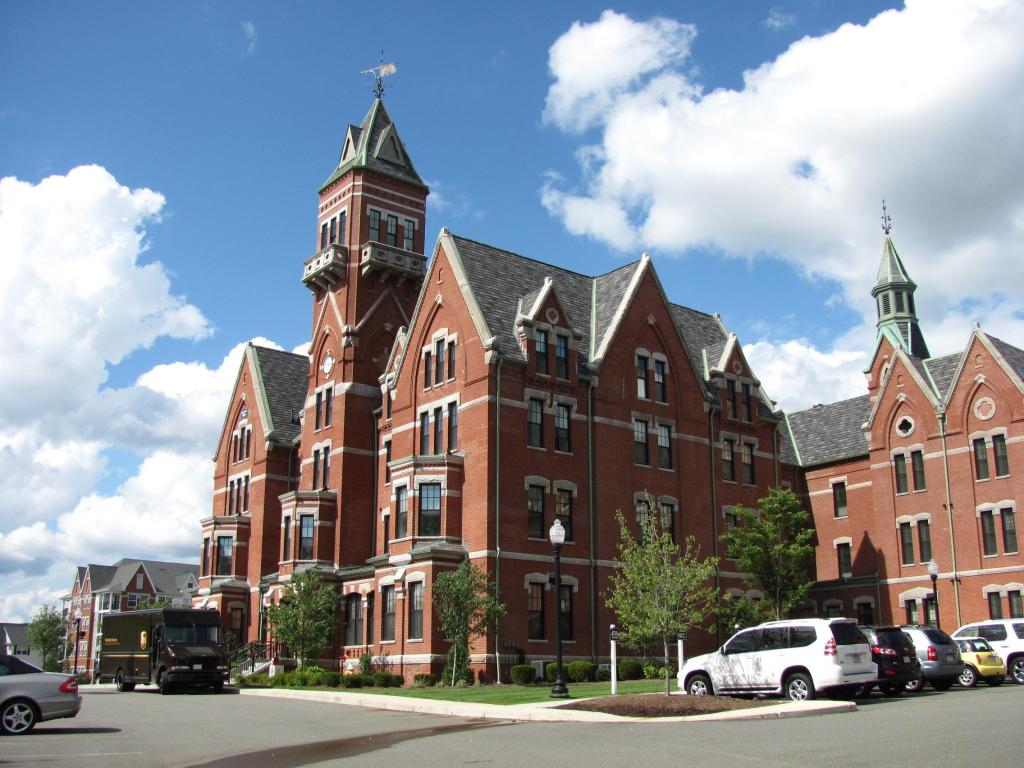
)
(167, 646)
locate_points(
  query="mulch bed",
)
(660, 705)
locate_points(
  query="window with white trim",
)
(1009, 525)
(988, 533)
(664, 446)
(640, 450)
(415, 590)
(430, 509)
(839, 506)
(540, 350)
(642, 374)
(844, 556)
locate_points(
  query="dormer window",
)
(660, 385)
(540, 349)
(562, 356)
(642, 372)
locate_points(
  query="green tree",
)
(306, 616)
(660, 589)
(739, 612)
(772, 545)
(465, 607)
(44, 635)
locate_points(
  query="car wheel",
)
(944, 684)
(164, 683)
(1016, 669)
(968, 678)
(799, 687)
(218, 687)
(17, 717)
(994, 680)
(864, 691)
(915, 685)
(699, 685)
(892, 690)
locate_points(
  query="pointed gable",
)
(375, 145)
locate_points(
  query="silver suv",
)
(941, 664)
(1006, 636)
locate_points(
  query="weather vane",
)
(378, 74)
(886, 221)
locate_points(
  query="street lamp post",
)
(933, 571)
(557, 536)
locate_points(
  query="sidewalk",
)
(540, 712)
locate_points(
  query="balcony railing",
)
(391, 259)
(325, 268)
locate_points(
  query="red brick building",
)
(453, 407)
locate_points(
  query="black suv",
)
(896, 658)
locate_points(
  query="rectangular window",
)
(354, 620)
(224, 544)
(995, 605)
(665, 446)
(900, 463)
(540, 349)
(730, 398)
(729, 460)
(410, 230)
(328, 405)
(392, 230)
(565, 612)
(748, 403)
(906, 544)
(980, 459)
(865, 614)
(341, 225)
(326, 472)
(535, 512)
(245, 494)
(535, 612)
(562, 356)
(401, 512)
(453, 426)
(563, 511)
(747, 457)
(387, 533)
(845, 558)
(375, 226)
(334, 231)
(318, 418)
(286, 537)
(924, 540)
(416, 610)
(535, 423)
(643, 513)
(929, 610)
(430, 509)
(1009, 530)
(660, 384)
(425, 433)
(839, 499)
(231, 497)
(323, 235)
(641, 377)
(316, 469)
(369, 619)
(248, 441)
(668, 519)
(387, 619)
(917, 463)
(451, 359)
(387, 461)
(306, 537)
(1002, 460)
(428, 369)
(562, 422)
(640, 455)
(1016, 604)
(438, 431)
(988, 533)
(234, 448)
(206, 557)
(439, 361)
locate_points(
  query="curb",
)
(542, 712)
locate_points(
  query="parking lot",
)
(977, 727)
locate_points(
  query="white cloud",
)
(249, 37)
(778, 18)
(797, 375)
(449, 201)
(921, 106)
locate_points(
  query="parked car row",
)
(801, 658)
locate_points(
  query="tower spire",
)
(894, 298)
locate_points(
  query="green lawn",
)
(514, 694)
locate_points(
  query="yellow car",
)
(980, 661)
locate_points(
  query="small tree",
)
(772, 545)
(660, 590)
(465, 607)
(306, 616)
(44, 634)
(736, 612)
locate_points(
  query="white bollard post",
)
(615, 666)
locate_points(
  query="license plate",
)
(906, 659)
(855, 658)
(197, 666)
(950, 657)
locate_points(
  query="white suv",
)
(795, 658)
(1006, 636)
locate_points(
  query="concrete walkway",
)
(543, 711)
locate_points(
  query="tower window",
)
(439, 361)
(334, 231)
(392, 230)
(900, 302)
(323, 235)
(886, 304)
(410, 229)
(375, 226)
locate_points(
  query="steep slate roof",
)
(828, 433)
(1014, 357)
(891, 270)
(941, 371)
(284, 378)
(168, 578)
(100, 576)
(16, 633)
(368, 152)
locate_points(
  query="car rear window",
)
(937, 637)
(847, 633)
(1019, 630)
(891, 638)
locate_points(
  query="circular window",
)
(737, 367)
(905, 427)
(984, 408)
(328, 364)
(552, 315)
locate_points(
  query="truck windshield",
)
(191, 634)
(208, 634)
(178, 633)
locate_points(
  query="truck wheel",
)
(164, 683)
(218, 687)
(122, 684)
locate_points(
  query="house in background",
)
(14, 642)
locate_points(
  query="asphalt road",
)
(976, 728)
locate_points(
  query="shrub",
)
(257, 679)
(296, 679)
(387, 680)
(630, 669)
(331, 679)
(351, 681)
(651, 672)
(550, 671)
(580, 671)
(366, 663)
(602, 674)
(425, 680)
(523, 674)
(280, 680)
(313, 675)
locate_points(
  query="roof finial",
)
(379, 73)
(886, 221)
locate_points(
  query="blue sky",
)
(746, 146)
